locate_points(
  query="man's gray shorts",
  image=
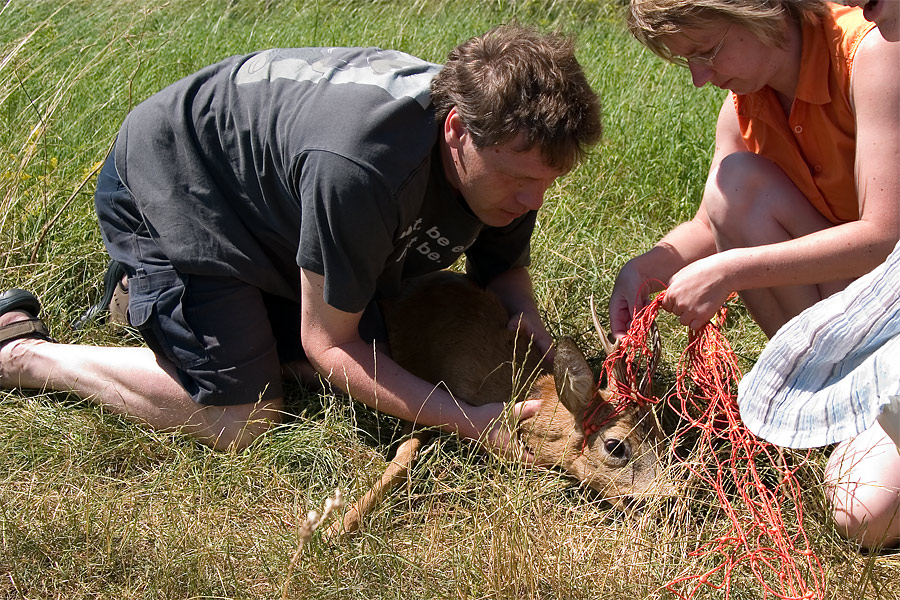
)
(226, 339)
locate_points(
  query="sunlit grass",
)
(92, 506)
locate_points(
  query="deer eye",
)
(617, 449)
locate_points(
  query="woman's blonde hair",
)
(651, 21)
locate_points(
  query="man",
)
(260, 207)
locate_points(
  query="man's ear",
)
(454, 129)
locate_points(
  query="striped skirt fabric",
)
(829, 372)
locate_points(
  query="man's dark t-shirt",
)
(320, 158)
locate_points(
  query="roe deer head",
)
(447, 330)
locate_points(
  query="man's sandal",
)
(16, 299)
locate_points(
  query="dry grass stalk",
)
(309, 526)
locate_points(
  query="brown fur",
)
(447, 330)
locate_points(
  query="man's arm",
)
(333, 346)
(516, 294)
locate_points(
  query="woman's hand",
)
(697, 292)
(629, 295)
(638, 278)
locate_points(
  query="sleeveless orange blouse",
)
(816, 145)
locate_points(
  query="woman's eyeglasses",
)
(704, 60)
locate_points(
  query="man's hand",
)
(532, 326)
(514, 290)
(501, 437)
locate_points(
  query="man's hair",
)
(513, 81)
(651, 21)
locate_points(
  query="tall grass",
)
(92, 506)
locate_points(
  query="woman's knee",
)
(865, 514)
(863, 489)
(733, 185)
(747, 197)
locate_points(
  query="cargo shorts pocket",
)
(155, 308)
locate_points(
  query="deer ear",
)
(574, 379)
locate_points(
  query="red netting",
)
(755, 484)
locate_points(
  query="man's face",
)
(499, 183)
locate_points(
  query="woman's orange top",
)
(816, 144)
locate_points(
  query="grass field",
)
(92, 506)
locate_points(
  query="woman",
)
(831, 373)
(803, 191)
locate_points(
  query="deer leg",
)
(396, 472)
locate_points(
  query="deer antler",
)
(608, 347)
(647, 378)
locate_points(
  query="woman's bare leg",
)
(751, 202)
(863, 486)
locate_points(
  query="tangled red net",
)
(705, 399)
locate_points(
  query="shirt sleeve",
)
(346, 234)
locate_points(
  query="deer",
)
(447, 330)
